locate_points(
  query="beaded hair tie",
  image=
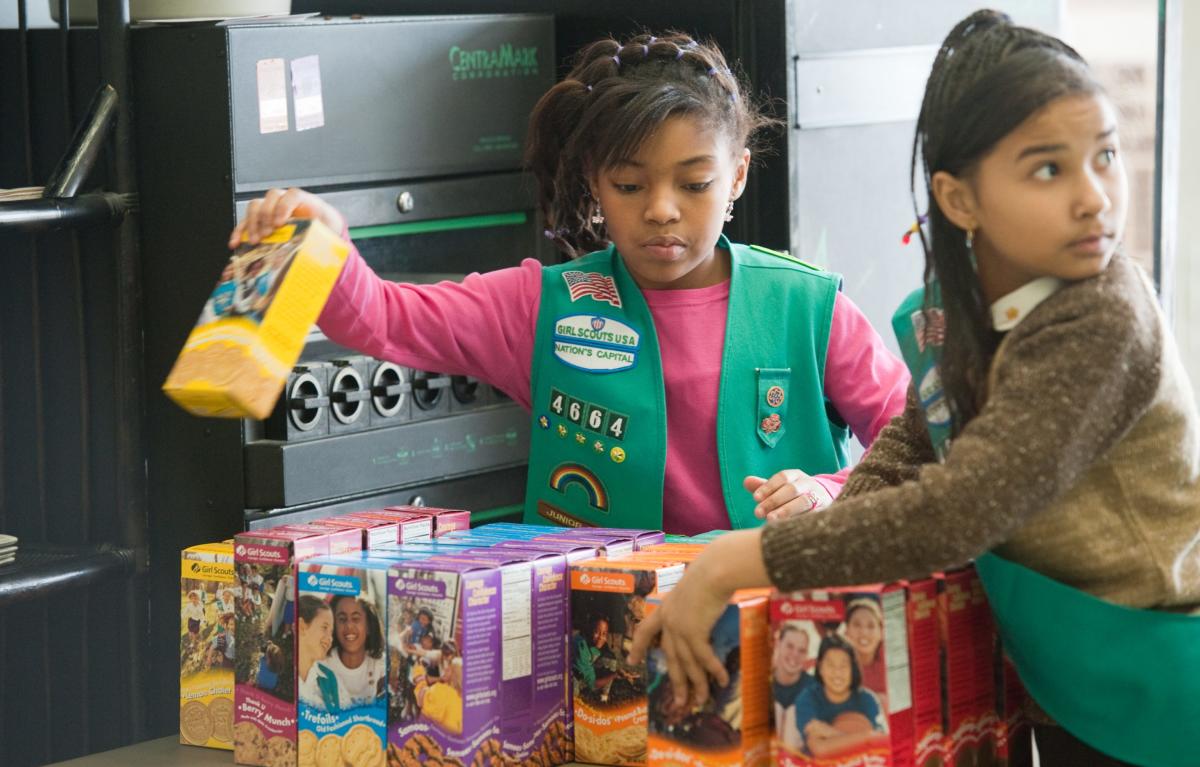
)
(916, 227)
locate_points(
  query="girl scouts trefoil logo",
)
(505, 61)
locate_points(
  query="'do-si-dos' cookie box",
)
(252, 329)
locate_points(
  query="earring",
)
(729, 211)
(971, 249)
(598, 215)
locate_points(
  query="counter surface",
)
(164, 752)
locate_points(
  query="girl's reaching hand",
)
(687, 614)
(788, 492)
(268, 213)
(685, 619)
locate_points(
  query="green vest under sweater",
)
(598, 445)
(1122, 680)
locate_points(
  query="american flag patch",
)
(592, 284)
(931, 331)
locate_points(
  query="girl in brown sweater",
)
(1072, 443)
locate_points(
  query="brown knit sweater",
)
(1084, 464)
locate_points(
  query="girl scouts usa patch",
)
(595, 344)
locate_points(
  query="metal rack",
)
(72, 605)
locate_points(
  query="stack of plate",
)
(21, 193)
(8, 549)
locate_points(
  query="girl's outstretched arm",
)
(1063, 395)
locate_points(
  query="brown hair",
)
(615, 96)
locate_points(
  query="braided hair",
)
(989, 76)
(615, 96)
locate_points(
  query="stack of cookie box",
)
(514, 703)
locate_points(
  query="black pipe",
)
(26, 108)
(43, 569)
(68, 213)
(85, 145)
(129, 403)
(64, 44)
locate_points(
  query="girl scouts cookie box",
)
(341, 540)
(252, 329)
(967, 647)
(444, 686)
(608, 601)
(413, 527)
(733, 728)
(375, 533)
(1013, 746)
(342, 660)
(264, 729)
(926, 671)
(208, 598)
(840, 685)
(443, 520)
(533, 689)
(641, 538)
(574, 552)
(611, 546)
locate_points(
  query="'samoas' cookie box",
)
(208, 601)
(533, 687)
(444, 684)
(252, 328)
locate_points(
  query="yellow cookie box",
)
(208, 597)
(252, 328)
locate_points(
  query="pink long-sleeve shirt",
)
(485, 327)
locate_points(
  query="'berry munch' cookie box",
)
(264, 730)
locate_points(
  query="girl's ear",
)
(740, 171)
(956, 200)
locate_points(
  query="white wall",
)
(1187, 264)
(38, 10)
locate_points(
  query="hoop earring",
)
(598, 215)
(729, 211)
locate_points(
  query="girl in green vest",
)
(1051, 433)
(669, 372)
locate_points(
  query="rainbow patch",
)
(573, 474)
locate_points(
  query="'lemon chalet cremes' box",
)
(252, 328)
(208, 597)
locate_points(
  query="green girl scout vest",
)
(1124, 681)
(598, 445)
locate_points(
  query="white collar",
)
(1014, 307)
